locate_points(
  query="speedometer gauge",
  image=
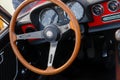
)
(77, 9)
(48, 16)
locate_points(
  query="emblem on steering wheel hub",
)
(51, 33)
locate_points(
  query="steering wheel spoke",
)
(31, 35)
(53, 47)
(64, 28)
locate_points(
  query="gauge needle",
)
(53, 18)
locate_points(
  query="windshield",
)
(7, 4)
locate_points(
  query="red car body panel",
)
(97, 20)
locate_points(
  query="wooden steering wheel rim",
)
(73, 25)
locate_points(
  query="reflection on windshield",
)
(1, 23)
(7, 5)
(14, 3)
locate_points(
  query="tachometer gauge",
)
(77, 9)
(48, 16)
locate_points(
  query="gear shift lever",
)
(117, 35)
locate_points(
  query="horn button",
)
(51, 33)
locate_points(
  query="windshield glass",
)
(7, 4)
(11, 5)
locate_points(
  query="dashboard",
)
(97, 14)
(52, 14)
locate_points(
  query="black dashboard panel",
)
(8, 64)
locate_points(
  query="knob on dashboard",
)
(97, 9)
(113, 5)
(117, 35)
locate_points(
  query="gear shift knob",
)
(117, 35)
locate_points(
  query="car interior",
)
(61, 40)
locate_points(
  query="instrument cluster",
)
(53, 15)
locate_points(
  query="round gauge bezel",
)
(100, 6)
(44, 10)
(110, 9)
(73, 12)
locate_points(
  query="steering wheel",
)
(51, 34)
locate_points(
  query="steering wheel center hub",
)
(51, 33)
